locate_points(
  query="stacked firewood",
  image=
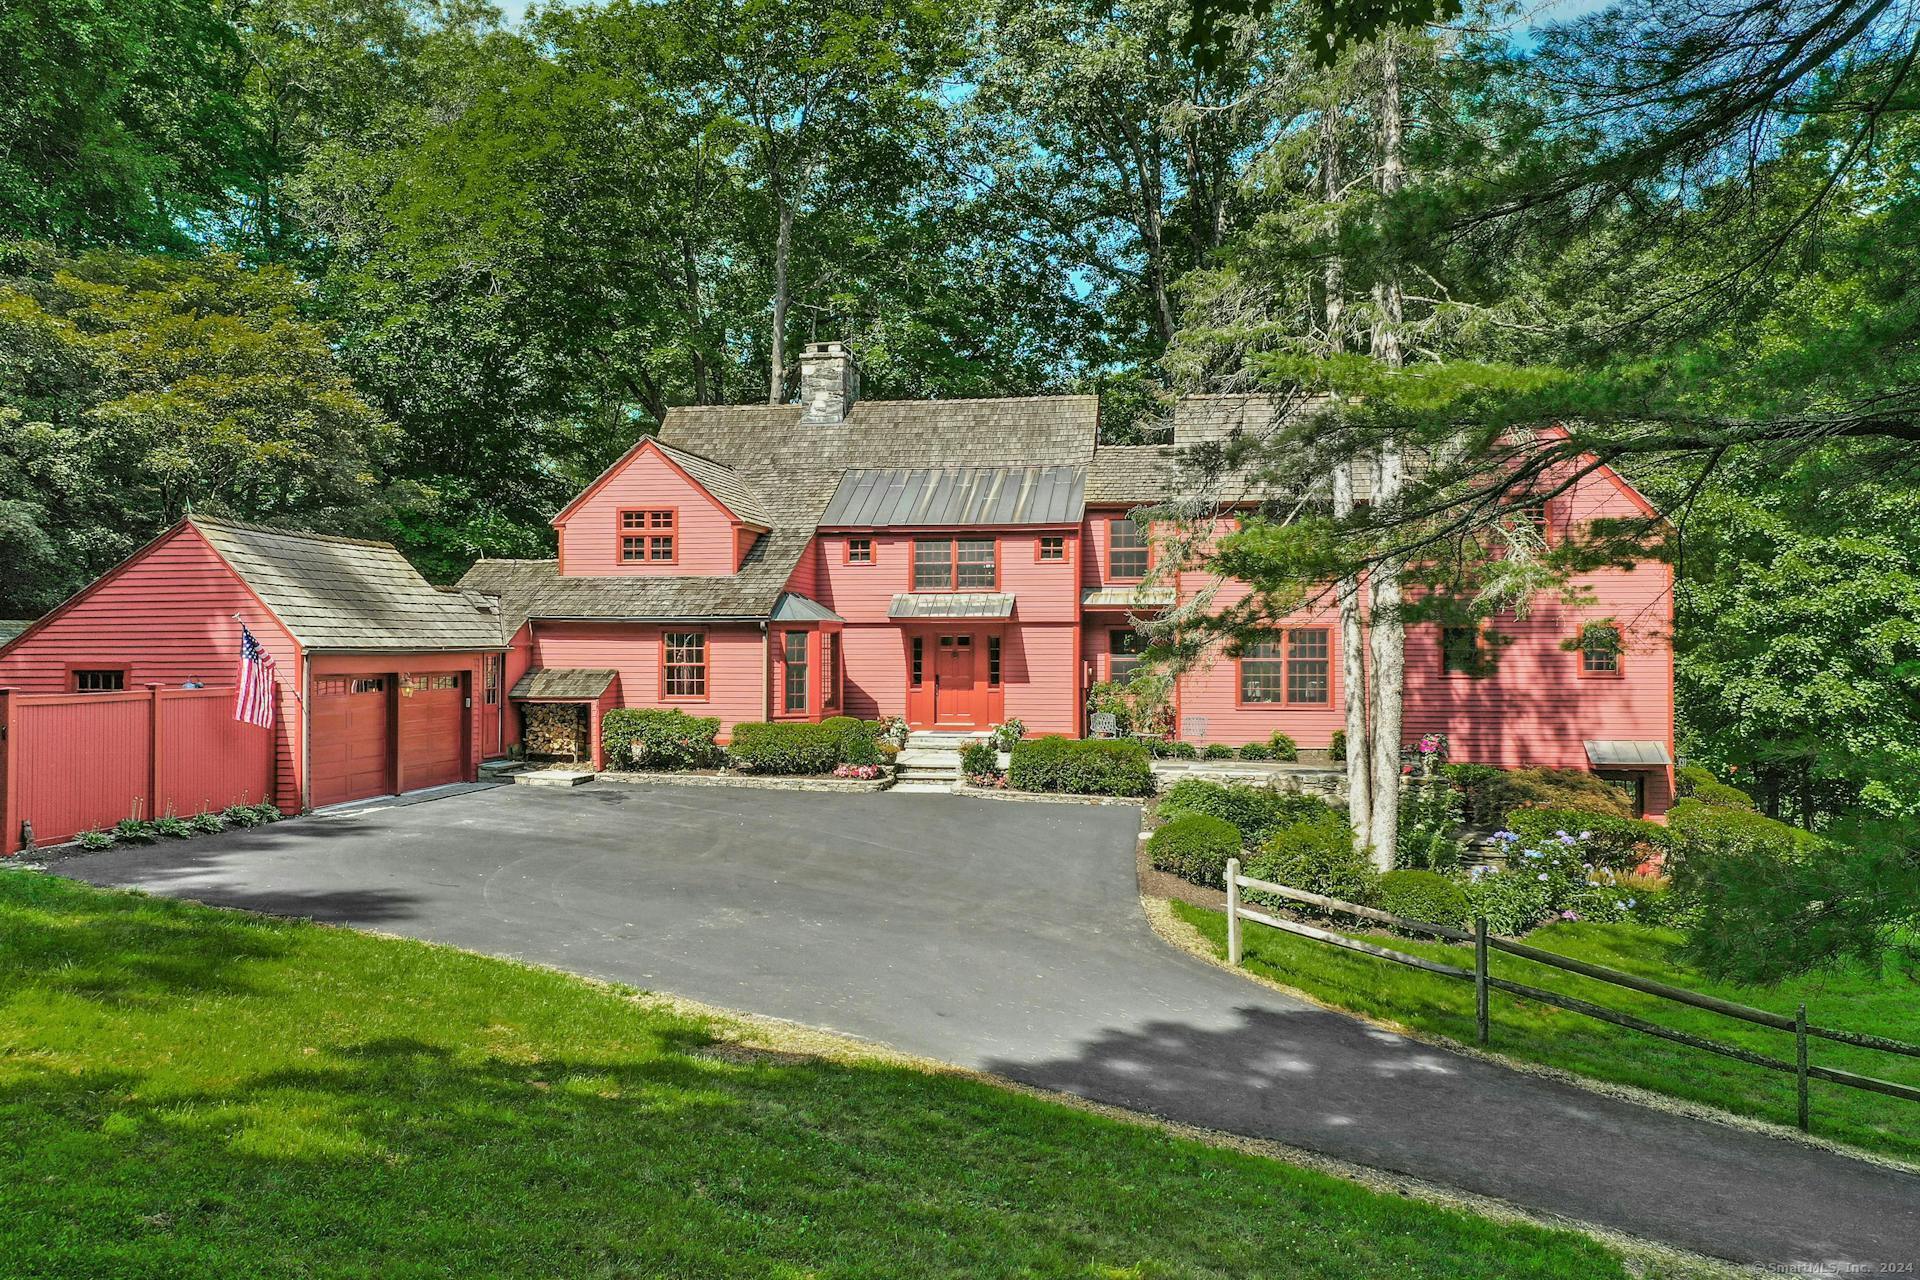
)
(556, 729)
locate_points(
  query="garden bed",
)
(763, 781)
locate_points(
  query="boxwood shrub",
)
(859, 739)
(1256, 751)
(1493, 792)
(1218, 751)
(979, 760)
(1089, 767)
(1315, 853)
(1256, 811)
(1283, 747)
(1426, 896)
(758, 747)
(1195, 847)
(1693, 781)
(647, 738)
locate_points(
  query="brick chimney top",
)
(829, 382)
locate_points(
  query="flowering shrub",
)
(864, 772)
(1513, 901)
(894, 731)
(995, 781)
(655, 739)
(979, 759)
(1007, 734)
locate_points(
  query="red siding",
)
(1043, 591)
(735, 682)
(1040, 680)
(166, 615)
(590, 534)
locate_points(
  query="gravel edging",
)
(763, 782)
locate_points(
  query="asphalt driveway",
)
(1009, 937)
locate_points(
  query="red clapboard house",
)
(960, 563)
(957, 563)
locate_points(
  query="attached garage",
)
(351, 745)
(378, 672)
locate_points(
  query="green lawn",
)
(1881, 1004)
(186, 1091)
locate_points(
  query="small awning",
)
(957, 604)
(1621, 753)
(797, 608)
(562, 684)
(1126, 597)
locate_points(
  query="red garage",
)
(384, 683)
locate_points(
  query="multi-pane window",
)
(1307, 665)
(1053, 546)
(1126, 549)
(993, 661)
(794, 683)
(99, 681)
(1600, 650)
(1263, 672)
(829, 687)
(490, 681)
(1460, 650)
(1295, 668)
(647, 537)
(1123, 653)
(427, 684)
(919, 660)
(955, 564)
(859, 550)
(683, 664)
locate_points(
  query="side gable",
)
(165, 613)
(657, 491)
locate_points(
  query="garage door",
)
(349, 742)
(433, 717)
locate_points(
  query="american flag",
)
(254, 703)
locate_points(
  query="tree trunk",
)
(1353, 658)
(782, 255)
(1387, 685)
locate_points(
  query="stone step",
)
(931, 740)
(927, 771)
(927, 756)
(921, 786)
(552, 778)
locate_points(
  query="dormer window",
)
(649, 536)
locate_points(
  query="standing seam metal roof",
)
(957, 496)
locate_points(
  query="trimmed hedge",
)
(1086, 767)
(1256, 811)
(1426, 896)
(758, 747)
(1195, 847)
(639, 737)
(1217, 751)
(859, 739)
(1618, 843)
(1283, 747)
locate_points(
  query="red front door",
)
(955, 698)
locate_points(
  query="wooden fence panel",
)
(209, 760)
(76, 761)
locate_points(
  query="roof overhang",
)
(952, 604)
(1624, 753)
(564, 684)
(792, 607)
(691, 619)
(1127, 598)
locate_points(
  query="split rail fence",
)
(1485, 982)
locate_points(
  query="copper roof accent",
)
(951, 604)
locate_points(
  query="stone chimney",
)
(829, 383)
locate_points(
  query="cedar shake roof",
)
(723, 482)
(562, 684)
(349, 594)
